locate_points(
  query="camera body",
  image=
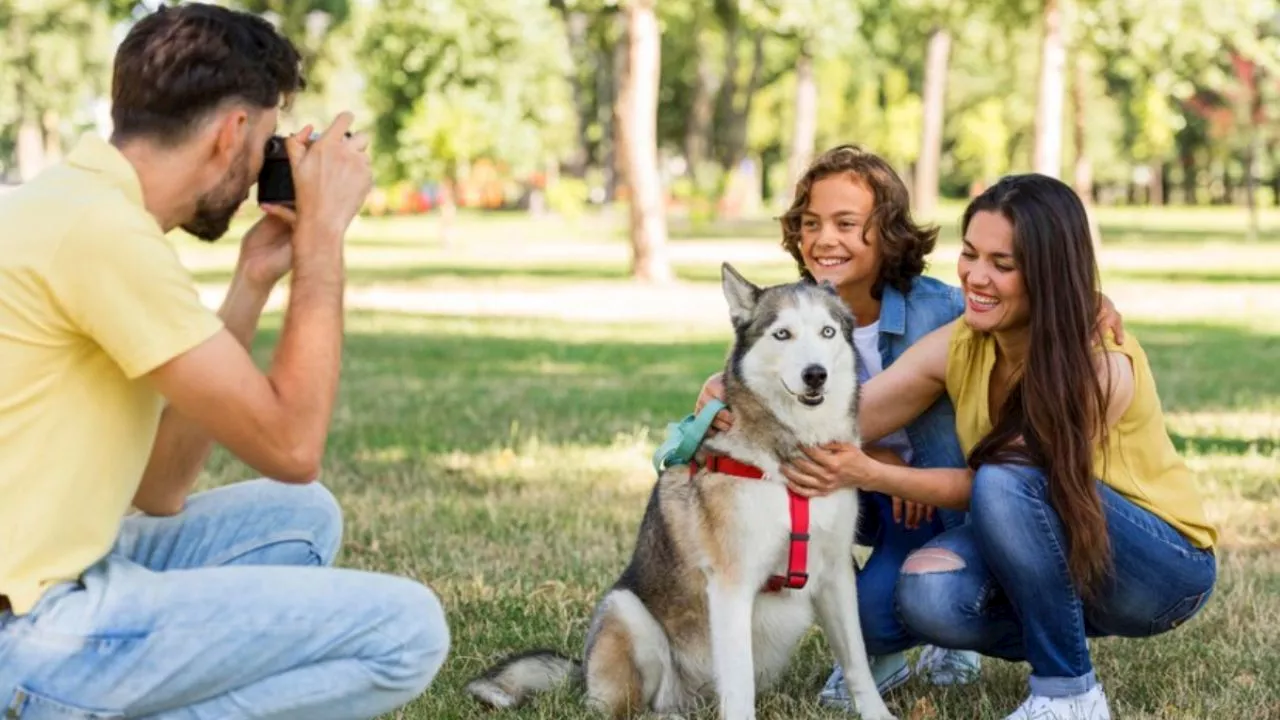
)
(275, 182)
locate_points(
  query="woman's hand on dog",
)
(830, 467)
(835, 466)
(713, 388)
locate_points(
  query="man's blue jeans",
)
(1009, 594)
(227, 610)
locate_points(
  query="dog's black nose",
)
(814, 376)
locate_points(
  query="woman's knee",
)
(1004, 494)
(936, 600)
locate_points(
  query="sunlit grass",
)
(505, 460)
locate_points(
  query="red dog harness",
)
(798, 557)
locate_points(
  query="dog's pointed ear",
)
(741, 294)
(829, 287)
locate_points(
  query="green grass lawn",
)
(504, 460)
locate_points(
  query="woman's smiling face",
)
(995, 294)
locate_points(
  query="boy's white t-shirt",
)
(867, 340)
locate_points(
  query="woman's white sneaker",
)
(1091, 705)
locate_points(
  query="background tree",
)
(638, 130)
(54, 64)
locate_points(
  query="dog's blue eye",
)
(828, 332)
(782, 334)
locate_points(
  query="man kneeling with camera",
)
(117, 380)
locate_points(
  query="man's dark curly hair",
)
(181, 63)
(903, 243)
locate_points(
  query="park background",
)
(534, 282)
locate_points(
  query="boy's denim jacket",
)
(904, 320)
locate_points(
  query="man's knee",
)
(418, 618)
(305, 506)
(319, 500)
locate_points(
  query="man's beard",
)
(216, 208)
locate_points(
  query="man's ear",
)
(228, 132)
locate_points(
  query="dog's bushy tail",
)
(519, 677)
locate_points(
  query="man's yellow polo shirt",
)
(92, 297)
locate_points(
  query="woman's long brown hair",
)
(1057, 405)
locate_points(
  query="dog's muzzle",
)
(815, 379)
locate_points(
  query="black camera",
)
(275, 182)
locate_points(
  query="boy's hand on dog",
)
(713, 388)
(1109, 319)
(915, 513)
(908, 512)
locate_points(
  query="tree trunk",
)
(1251, 182)
(616, 157)
(30, 150)
(805, 131)
(448, 203)
(52, 137)
(1190, 178)
(697, 136)
(726, 99)
(638, 112)
(1048, 127)
(935, 85)
(576, 23)
(1155, 186)
(733, 116)
(1082, 175)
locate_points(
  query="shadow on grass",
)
(1214, 277)
(423, 273)
(1201, 445)
(411, 273)
(1201, 367)
(440, 391)
(1117, 233)
(1114, 232)
(450, 388)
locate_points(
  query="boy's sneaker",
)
(889, 671)
(1091, 705)
(949, 667)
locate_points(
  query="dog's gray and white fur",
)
(687, 621)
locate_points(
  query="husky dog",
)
(695, 615)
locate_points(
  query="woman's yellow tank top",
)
(1142, 463)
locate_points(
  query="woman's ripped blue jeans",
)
(999, 584)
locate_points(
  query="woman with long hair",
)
(1083, 521)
